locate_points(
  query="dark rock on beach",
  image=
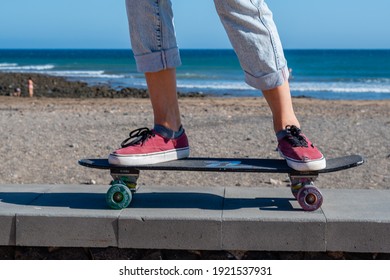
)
(50, 86)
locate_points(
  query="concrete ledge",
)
(262, 219)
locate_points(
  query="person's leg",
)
(155, 50)
(152, 34)
(255, 39)
(254, 36)
(156, 53)
(280, 103)
(163, 95)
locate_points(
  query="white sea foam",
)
(214, 85)
(84, 74)
(6, 65)
(341, 87)
(13, 67)
(48, 70)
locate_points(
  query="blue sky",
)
(103, 24)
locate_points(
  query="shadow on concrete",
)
(154, 200)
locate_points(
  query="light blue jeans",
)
(248, 23)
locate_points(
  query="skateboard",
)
(309, 197)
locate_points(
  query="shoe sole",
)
(307, 166)
(143, 159)
(312, 165)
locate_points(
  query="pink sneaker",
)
(148, 147)
(298, 151)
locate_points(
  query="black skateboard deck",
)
(309, 197)
(230, 165)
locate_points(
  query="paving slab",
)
(13, 199)
(7, 229)
(269, 219)
(65, 216)
(357, 220)
(173, 218)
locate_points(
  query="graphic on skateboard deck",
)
(309, 197)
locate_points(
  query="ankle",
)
(279, 126)
(173, 124)
(167, 132)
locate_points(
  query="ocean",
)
(322, 74)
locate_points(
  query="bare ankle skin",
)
(280, 103)
(163, 96)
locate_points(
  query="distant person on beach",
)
(17, 92)
(30, 87)
(255, 39)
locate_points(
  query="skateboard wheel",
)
(118, 196)
(309, 198)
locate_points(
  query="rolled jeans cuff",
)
(269, 81)
(159, 60)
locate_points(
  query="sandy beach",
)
(44, 137)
